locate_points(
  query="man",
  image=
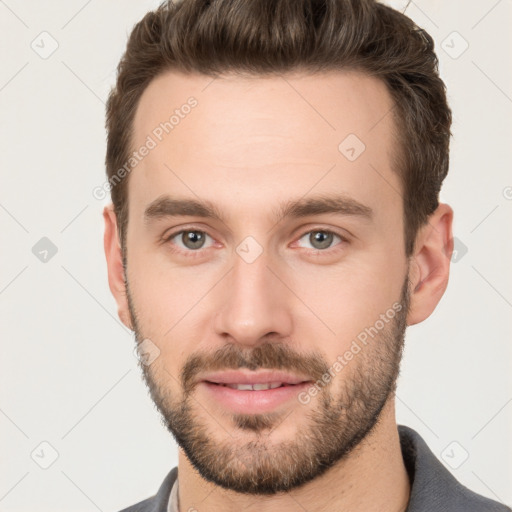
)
(275, 168)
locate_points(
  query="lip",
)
(251, 402)
(262, 377)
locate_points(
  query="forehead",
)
(279, 133)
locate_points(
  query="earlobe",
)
(430, 264)
(113, 254)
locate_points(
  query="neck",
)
(372, 478)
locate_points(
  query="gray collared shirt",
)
(433, 487)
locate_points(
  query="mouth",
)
(253, 392)
(254, 387)
(254, 381)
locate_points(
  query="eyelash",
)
(200, 252)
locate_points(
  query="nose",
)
(255, 304)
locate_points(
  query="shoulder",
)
(433, 487)
(470, 501)
(158, 502)
(146, 505)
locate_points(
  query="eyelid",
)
(172, 232)
(166, 239)
(344, 239)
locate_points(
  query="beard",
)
(335, 422)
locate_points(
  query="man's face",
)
(268, 288)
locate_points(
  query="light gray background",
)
(68, 376)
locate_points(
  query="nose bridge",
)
(254, 302)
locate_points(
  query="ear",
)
(114, 257)
(430, 264)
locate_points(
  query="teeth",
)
(254, 387)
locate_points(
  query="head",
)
(275, 176)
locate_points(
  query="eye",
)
(189, 240)
(321, 239)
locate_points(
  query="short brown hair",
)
(272, 37)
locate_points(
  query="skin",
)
(249, 145)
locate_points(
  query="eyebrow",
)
(167, 206)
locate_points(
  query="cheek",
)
(159, 297)
(347, 298)
(173, 304)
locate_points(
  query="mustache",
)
(267, 356)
